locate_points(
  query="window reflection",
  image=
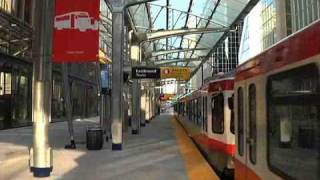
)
(294, 115)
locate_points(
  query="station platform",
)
(162, 151)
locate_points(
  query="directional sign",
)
(180, 73)
(145, 73)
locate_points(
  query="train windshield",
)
(294, 123)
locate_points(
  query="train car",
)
(277, 110)
(206, 114)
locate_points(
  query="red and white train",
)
(277, 111)
(207, 116)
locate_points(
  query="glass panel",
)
(1, 83)
(230, 104)
(294, 123)
(8, 84)
(218, 114)
(252, 124)
(240, 122)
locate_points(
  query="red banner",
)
(76, 33)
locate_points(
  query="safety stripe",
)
(197, 166)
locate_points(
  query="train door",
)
(205, 114)
(246, 131)
(240, 124)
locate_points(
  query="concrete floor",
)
(152, 155)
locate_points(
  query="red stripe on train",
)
(303, 45)
(216, 145)
(221, 86)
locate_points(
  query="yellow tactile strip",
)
(197, 167)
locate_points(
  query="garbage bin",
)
(94, 138)
(306, 138)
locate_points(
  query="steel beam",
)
(151, 36)
(164, 52)
(169, 61)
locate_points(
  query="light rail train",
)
(276, 111)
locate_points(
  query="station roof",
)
(186, 14)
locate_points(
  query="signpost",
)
(145, 73)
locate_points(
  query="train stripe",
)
(216, 145)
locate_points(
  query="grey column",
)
(68, 106)
(41, 152)
(117, 80)
(125, 108)
(143, 106)
(135, 107)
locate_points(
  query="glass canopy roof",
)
(186, 14)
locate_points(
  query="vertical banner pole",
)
(41, 152)
(117, 80)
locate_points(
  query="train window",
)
(240, 122)
(230, 104)
(252, 124)
(217, 114)
(294, 123)
(205, 114)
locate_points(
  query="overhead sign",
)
(145, 73)
(180, 73)
(76, 32)
(166, 97)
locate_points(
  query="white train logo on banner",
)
(75, 20)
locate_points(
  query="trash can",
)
(306, 138)
(94, 138)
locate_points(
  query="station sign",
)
(76, 31)
(145, 73)
(179, 73)
(166, 97)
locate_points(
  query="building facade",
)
(275, 20)
(16, 70)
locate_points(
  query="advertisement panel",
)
(76, 32)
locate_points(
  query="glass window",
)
(1, 83)
(217, 108)
(240, 122)
(7, 86)
(252, 124)
(230, 104)
(294, 123)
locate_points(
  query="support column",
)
(41, 152)
(117, 80)
(135, 107)
(143, 106)
(135, 119)
(125, 108)
(68, 106)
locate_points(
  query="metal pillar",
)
(117, 80)
(147, 105)
(143, 106)
(125, 108)
(135, 107)
(135, 120)
(68, 106)
(41, 152)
